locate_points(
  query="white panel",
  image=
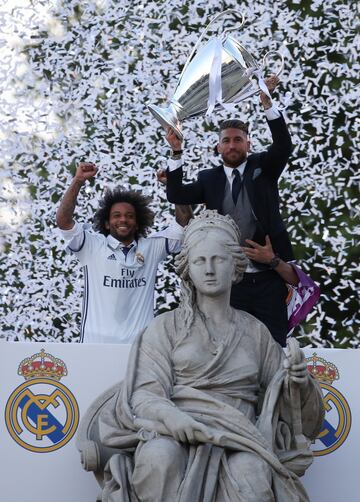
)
(28, 475)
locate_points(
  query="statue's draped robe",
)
(221, 386)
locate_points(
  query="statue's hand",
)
(182, 427)
(295, 363)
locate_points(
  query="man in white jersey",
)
(119, 263)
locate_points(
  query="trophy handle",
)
(259, 72)
(265, 61)
(207, 28)
(236, 13)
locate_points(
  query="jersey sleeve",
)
(173, 236)
(81, 242)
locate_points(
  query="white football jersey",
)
(118, 299)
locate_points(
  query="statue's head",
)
(210, 238)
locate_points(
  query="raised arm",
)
(277, 155)
(65, 213)
(271, 83)
(176, 191)
(183, 214)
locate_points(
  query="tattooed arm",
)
(183, 214)
(65, 213)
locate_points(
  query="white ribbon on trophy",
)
(219, 74)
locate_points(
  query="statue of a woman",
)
(211, 409)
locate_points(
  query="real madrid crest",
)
(337, 422)
(42, 415)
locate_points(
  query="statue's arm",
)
(301, 394)
(312, 409)
(308, 389)
(155, 410)
(151, 397)
(153, 382)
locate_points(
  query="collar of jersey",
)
(115, 244)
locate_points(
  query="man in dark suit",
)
(246, 187)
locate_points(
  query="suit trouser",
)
(263, 294)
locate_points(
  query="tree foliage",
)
(77, 78)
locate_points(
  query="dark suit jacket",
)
(261, 176)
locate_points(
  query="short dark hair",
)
(234, 124)
(140, 202)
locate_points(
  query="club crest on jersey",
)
(140, 257)
(41, 414)
(337, 421)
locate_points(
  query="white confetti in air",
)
(75, 78)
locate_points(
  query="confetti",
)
(75, 81)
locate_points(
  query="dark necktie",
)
(236, 185)
(126, 249)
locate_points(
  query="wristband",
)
(176, 154)
(274, 262)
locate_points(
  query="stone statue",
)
(212, 409)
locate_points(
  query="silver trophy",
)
(219, 73)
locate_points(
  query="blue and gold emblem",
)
(337, 422)
(42, 415)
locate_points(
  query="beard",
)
(125, 236)
(234, 159)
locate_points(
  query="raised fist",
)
(85, 171)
